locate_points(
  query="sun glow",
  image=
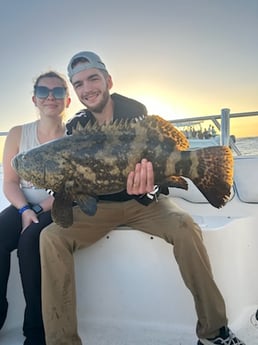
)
(157, 106)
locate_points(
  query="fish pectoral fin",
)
(62, 211)
(176, 182)
(87, 203)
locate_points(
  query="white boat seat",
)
(245, 176)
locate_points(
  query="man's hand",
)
(141, 180)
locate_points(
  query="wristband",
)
(148, 198)
(154, 194)
(24, 208)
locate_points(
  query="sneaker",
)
(225, 337)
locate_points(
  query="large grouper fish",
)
(96, 160)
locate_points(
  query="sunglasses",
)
(43, 92)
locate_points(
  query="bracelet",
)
(24, 208)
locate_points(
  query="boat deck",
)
(117, 334)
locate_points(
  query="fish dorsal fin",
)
(168, 130)
(118, 124)
(155, 122)
(89, 128)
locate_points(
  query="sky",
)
(182, 58)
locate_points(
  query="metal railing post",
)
(225, 124)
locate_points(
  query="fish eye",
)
(23, 157)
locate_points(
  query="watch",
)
(37, 209)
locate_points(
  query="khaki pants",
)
(163, 219)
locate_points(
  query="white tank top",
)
(29, 139)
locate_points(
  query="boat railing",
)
(221, 122)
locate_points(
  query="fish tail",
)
(212, 173)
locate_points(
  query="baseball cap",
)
(93, 61)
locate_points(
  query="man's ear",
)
(68, 101)
(109, 82)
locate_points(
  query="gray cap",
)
(93, 61)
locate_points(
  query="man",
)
(92, 84)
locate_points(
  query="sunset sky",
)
(182, 58)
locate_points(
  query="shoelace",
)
(230, 340)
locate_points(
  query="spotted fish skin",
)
(96, 160)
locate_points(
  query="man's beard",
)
(99, 108)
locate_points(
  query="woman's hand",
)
(28, 217)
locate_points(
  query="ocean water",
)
(247, 146)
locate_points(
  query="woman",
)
(29, 212)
